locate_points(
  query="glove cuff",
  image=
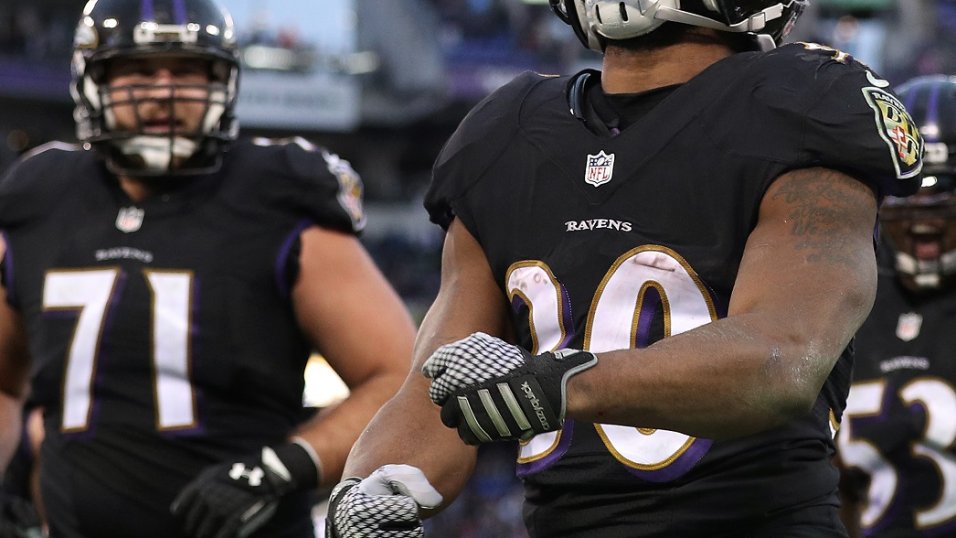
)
(567, 363)
(302, 463)
(331, 529)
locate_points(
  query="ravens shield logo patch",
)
(898, 130)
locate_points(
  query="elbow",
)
(772, 411)
(769, 407)
(795, 404)
(791, 382)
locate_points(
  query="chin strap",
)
(754, 23)
(157, 153)
(764, 42)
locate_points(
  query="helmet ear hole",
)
(97, 72)
(219, 71)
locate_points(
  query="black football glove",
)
(493, 391)
(384, 504)
(234, 499)
(18, 518)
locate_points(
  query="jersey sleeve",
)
(835, 112)
(858, 125)
(31, 186)
(482, 136)
(315, 182)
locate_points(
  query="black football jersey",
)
(162, 333)
(616, 239)
(898, 437)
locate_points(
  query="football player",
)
(166, 294)
(898, 439)
(651, 277)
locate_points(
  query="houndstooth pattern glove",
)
(490, 390)
(384, 504)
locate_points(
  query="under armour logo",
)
(252, 476)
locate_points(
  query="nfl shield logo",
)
(908, 326)
(129, 219)
(600, 169)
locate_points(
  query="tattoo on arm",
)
(826, 210)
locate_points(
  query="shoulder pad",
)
(311, 179)
(835, 112)
(36, 181)
(483, 135)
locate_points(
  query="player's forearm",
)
(408, 430)
(332, 433)
(730, 378)
(11, 409)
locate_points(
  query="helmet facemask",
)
(147, 126)
(921, 230)
(169, 129)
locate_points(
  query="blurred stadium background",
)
(383, 83)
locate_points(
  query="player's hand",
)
(492, 391)
(384, 504)
(234, 499)
(18, 518)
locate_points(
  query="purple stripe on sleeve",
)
(567, 318)
(282, 260)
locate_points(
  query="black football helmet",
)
(111, 29)
(921, 228)
(596, 21)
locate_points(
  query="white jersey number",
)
(614, 322)
(938, 400)
(90, 293)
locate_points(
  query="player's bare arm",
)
(340, 289)
(14, 372)
(468, 300)
(806, 281)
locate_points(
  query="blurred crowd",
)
(896, 38)
(29, 31)
(899, 39)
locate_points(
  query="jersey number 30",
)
(640, 282)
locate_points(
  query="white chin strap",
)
(158, 152)
(756, 22)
